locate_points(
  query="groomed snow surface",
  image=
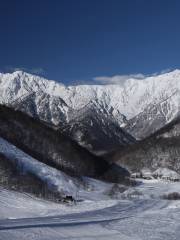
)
(133, 216)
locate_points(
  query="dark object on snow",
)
(68, 199)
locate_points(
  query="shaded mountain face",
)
(96, 129)
(48, 145)
(162, 149)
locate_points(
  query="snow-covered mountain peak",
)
(19, 83)
(19, 73)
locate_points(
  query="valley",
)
(89, 161)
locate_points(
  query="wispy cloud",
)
(120, 79)
(37, 70)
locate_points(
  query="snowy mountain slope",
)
(137, 101)
(21, 172)
(155, 116)
(56, 180)
(41, 105)
(14, 177)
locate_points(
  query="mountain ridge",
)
(151, 102)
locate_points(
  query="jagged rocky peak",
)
(19, 84)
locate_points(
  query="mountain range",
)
(98, 117)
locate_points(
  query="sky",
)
(73, 41)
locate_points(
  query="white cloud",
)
(117, 79)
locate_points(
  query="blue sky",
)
(77, 40)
